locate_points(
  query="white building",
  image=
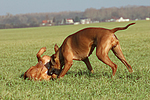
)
(69, 21)
(122, 20)
(85, 21)
(147, 18)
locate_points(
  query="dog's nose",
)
(50, 72)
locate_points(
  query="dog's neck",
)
(60, 58)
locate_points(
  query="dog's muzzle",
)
(54, 71)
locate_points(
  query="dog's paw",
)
(92, 71)
(43, 48)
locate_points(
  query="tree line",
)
(102, 14)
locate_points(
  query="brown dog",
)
(40, 70)
(80, 45)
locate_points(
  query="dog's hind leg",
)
(102, 54)
(88, 64)
(118, 52)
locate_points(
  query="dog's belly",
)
(81, 54)
(79, 57)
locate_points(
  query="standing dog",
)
(40, 70)
(80, 45)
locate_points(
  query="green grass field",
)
(18, 48)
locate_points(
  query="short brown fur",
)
(39, 71)
(80, 45)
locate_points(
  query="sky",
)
(40, 6)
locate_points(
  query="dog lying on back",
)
(40, 70)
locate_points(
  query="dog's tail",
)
(121, 28)
(25, 76)
(38, 55)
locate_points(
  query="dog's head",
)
(55, 64)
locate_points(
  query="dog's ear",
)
(56, 47)
(53, 59)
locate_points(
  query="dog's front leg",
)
(88, 64)
(38, 55)
(67, 66)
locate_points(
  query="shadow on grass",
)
(133, 76)
(88, 73)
